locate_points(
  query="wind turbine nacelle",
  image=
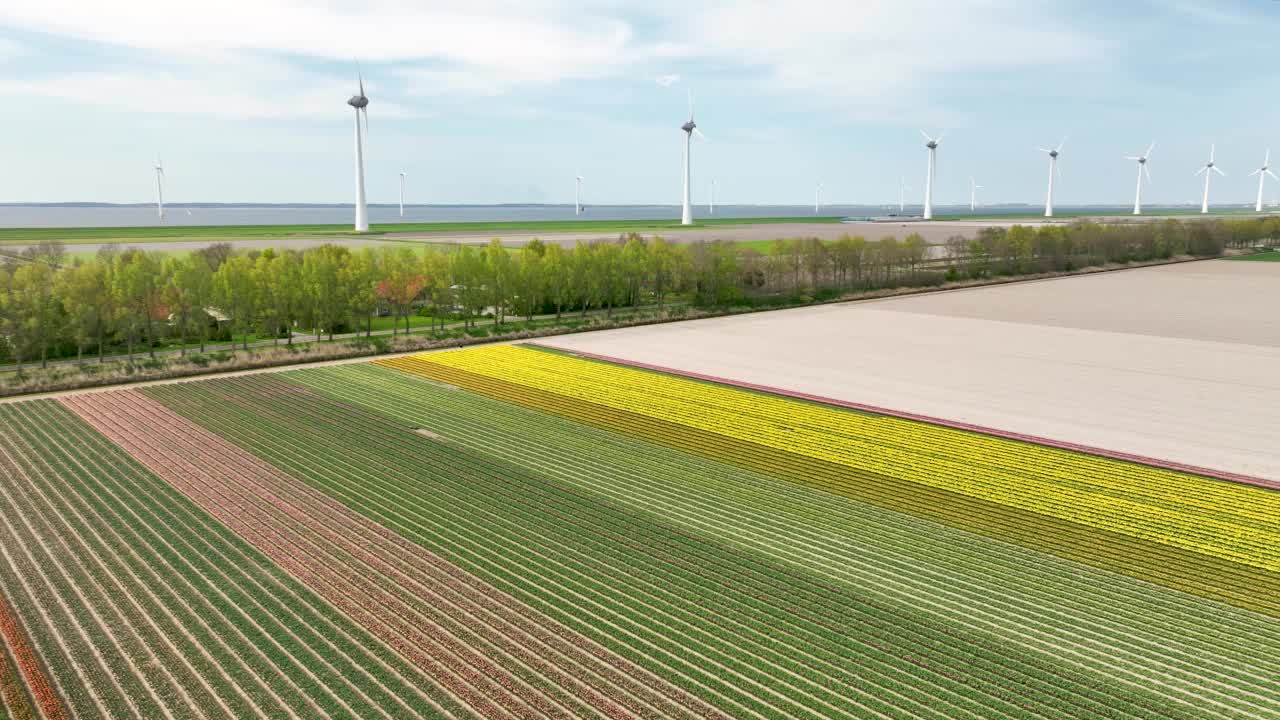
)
(358, 102)
(932, 144)
(688, 127)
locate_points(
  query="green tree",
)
(635, 267)
(439, 291)
(469, 275)
(558, 274)
(360, 275)
(85, 291)
(499, 278)
(325, 297)
(583, 276)
(135, 288)
(234, 292)
(530, 279)
(662, 270)
(402, 283)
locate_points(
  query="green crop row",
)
(1028, 597)
(1210, 576)
(262, 643)
(762, 638)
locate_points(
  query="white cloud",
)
(235, 89)
(537, 41)
(877, 58)
(881, 56)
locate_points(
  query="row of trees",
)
(137, 301)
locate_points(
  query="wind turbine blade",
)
(1272, 174)
(1058, 168)
(1147, 170)
(1219, 171)
(1043, 150)
(1131, 157)
(365, 112)
(1151, 147)
(926, 136)
(1206, 167)
(1212, 148)
(1064, 142)
(698, 132)
(940, 136)
(1255, 172)
(1267, 161)
(690, 105)
(360, 78)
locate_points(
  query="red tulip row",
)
(490, 651)
(28, 665)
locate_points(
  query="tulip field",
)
(508, 532)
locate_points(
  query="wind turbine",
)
(577, 194)
(932, 144)
(903, 187)
(361, 105)
(689, 128)
(1053, 169)
(160, 188)
(402, 175)
(711, 204)
(1142, 169)
(973, 194)
(1209, 169)
(1262, 174)
(817, 199)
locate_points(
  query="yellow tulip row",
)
(1234, 522)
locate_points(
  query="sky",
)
(505, 101)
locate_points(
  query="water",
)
(29, 216)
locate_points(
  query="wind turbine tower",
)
(402, 175)
(577, 194)
(1262, 174)
(689, 128)
(711, 202)
(817, 199)
(932, 144)
(160, 188)
(973, 194)
(1209, 169)
(1142, 170)
(361, 105)
(1053, 169)
(902, 194)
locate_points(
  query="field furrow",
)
(1211, 647)
(897, 487)
(410, 584)
(567, 543)
(1217, 518)
(258, 637)
(790, 592)
(25, 692)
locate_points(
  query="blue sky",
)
(506, 100)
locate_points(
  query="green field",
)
(504, 533)
(215, 233)
(1271, 256)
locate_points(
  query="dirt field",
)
(1180, 362)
